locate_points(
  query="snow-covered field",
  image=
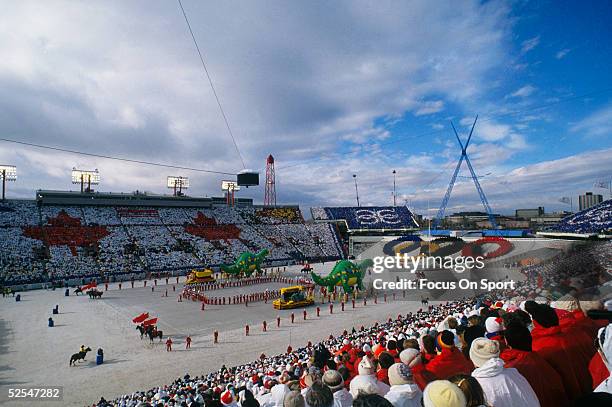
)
(32, 354)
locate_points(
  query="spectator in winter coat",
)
(502, 387)
(403, 392)
(319, 395)
(366, 381)
(412, 358)
(559, 351)
(428, 348)
(385, 360)
(471, 333)
(333, 380)
(544, 380)
(450, 361)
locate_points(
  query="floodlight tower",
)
(394, 196)
(85, 176)
(356, 190)
(8, 173)
(465, 157)
(230, 188)
(177, 184)
(270, 193)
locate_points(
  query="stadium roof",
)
(137, 198)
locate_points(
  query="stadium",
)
(138, 251)
(355, 204)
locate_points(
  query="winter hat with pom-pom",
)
(365, 367)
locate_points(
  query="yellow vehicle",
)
(200, 276)
(293, 297)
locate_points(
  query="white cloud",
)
(562, 53)
(296, 80)
(491, 131)
(540, 184)
(522, 92)
(597, 124)
(530, 44)
(429, 107)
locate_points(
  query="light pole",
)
(7, 173)
(356, 190)
(394, 188)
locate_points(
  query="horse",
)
(93, 294)
(154, 333)
(78, 291)
(78, 356)
(142, 331)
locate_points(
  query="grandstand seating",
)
(58, 242)
(597, 219)
(369, 217)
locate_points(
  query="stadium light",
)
(230, 187)
(178, 182)
(356, 190)
(85, 176)
(394, 188)
(8, 173)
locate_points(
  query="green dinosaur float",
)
(246, 264)
(345, 274)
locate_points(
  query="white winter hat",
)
(365, 366)
(410, 357)
(483, 349)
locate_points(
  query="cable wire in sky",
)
(108, 157)
(229, 130)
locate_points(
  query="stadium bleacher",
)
(368, 217)
(42, 243)
(597, 219)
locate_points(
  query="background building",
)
(587, 200)
(529, 213)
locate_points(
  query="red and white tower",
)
(270, 195)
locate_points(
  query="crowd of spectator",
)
(597, 219)
(63, 242)
(369, 217)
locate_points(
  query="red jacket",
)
(421, 376)
(383, 375)
(448, 363)
(576, 326)
(564, 357)
(544, 380)
(428, 357)
(599, 371)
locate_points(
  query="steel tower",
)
(465, 157)
(270, 194)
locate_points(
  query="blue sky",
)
(330, 89)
